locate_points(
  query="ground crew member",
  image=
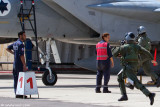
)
(129, 52)
(104, 62)
(145, 42)
(17, 49)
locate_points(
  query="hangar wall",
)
(69, 53)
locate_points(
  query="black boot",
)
(151, 97)
(97, 90)
(128, 85)
(105, 90)
(158, 82)
(123, 98)
(20, 96)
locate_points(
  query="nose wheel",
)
(47, 80)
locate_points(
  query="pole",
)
(22, 16)
(35, 31)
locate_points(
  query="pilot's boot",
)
(123, 98)
(128, 85)
(151, 97)
(158, 82)
(97, 90)
(105, 90)
(21, 96)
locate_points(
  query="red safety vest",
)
(102, 51)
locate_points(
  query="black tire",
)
(46, 80)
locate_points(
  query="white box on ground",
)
(26, 84)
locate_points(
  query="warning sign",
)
(26, 84)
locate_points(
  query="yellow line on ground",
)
(1, 52)
(4, 22)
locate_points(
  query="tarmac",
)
(75, 90)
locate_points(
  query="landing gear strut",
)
(49, 77)
(27, 12)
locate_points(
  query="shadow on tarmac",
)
(6, 76)
(6, 87)
(74, 86)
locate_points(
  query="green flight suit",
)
(129, 53)
(145, 42)
(120, 79)
(121, 75)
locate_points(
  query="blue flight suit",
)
(18, 48)
(103, 68)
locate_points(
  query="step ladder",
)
(27, 18)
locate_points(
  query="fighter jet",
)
(81, 22)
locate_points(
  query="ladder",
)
(27, 18)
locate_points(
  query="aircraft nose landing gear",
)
(27, 12)
(49, 77)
